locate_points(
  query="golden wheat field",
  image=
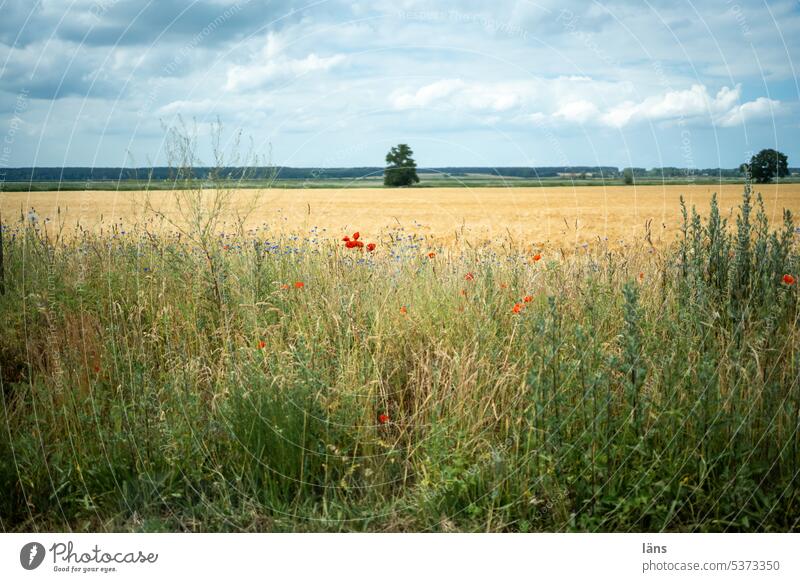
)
(557, 215)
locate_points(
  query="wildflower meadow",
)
(165, 378)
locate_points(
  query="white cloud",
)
(472, 97)
(427, 95)
(577, 111)
(694, 104)
(270, 64)
(581, 100)
(761, 108)
(673, 105)
(492, 101)
(244, 77)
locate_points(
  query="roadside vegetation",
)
(172, 377)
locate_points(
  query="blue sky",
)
(333, 83)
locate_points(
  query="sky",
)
(329, 83)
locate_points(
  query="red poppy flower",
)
(503, 285)
(352, 244)
(285, 286)
(641, 276)
(431, 255)
(96, 368)
(356, 235)
(226, 247)
(403, 309)
(359, 243)
(383, 418)
(346, 239)
(537, 257)
(299, 285)
(527, 299)
(262, 344)
(788, 279)
(517, 308)
(371, 247)
(469, 277)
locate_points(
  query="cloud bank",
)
(468, 82)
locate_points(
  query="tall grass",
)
(155, 382)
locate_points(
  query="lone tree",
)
(627, 176)
(766, 165)
(401, 169)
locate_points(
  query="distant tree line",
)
(528, 172)
(166, 173)
(674, 172)
(78, 174)
(73, 174)
(763, 167)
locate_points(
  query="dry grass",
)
(558, 215)
(165, 383)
